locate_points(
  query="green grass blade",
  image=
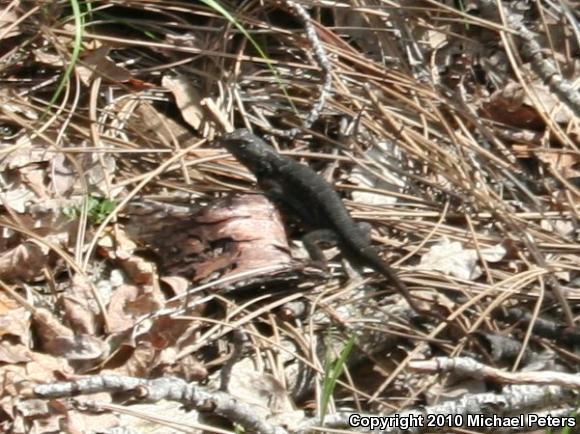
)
(332, 371)
(224, 12)
(77, 47)
(568, 429)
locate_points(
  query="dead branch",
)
(173, 389)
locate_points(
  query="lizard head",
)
(250, 150)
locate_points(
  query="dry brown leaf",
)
(565, 163)
(14, 378)
(81, 311)
(16, 324)
(31, 408)
(507, 105)
(7, 18)
(564, 228)
(22, 177)
(11, 105)
(262, 392)
(48, 327)
(187, 99)
(452, 259)
(82, 422)
(188, 368)
(139, 270)
(512, 106)
(25, 155)
(44, 417)
(383, 153)
(137, 421)
(44, 368)
(159, 127)
(77, 313)
(177, 284)
(7, 303)
(63, 175)
(77, 347)
(41, 368)
(14, 336)
(98, 172)
(118, 247)
(16, 194)
(37, 416)
(43, 57)
(128, 303)
(95, 63)
(33, 177)
(24, 262)
(166, 331)
(136, 362)
(11, 352)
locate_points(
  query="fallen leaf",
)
(16, 195)
(187, 99)
(26, 155)
(78, 314)
(48, 327)
(44, 57)
(188, 368)
(82, 422)
(383, 153)
(77, 347)
(137, 362)
(7, 19)
(118, 247)
(13, 352)
(564, 163)
(134, 420)
(177, 284)
(95, 63)
(452, 259)
(24, 262)
(12, 105)
(97, 170)
(263, 392)
(511, 105)
(158, 127)
(16, 323)
(128, 303)
(7, 303)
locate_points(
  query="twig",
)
(532, 51)
(514, 400)
(173, 389)
(466, 366)
(321, 59)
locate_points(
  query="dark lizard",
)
(295, 187)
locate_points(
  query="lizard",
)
(296, 188)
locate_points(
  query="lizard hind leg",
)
(312, 241)
(365, 230)
(327, 237)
